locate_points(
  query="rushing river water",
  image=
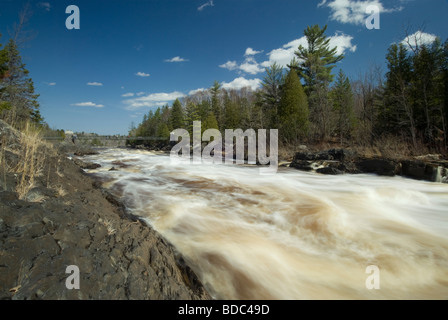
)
(292, 235)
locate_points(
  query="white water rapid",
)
(292, 235)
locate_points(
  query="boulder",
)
(302, 165)
(86, 165)
(419, 170)
(382, 167)
(329, 171)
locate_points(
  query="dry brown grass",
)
(33, 154)
(31, 162)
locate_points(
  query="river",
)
(292, 235)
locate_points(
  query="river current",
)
(292, 235)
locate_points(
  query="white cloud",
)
(95, 84)
(242, 82)
(251, 67)
(343, 42)
(419, 38)
(45, 5)
(285, 54)
(207, 4)
(153, 100)
(87, 104)
(230, 65)
(140, 93)
(193, 92)
(353, 11)
(52, 84)
(251, 52)
(142, 74)
(176, 59)
(130, 94)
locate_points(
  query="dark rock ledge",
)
(70, 220)
(339, 161)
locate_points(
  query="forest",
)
(400, 112)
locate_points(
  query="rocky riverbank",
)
(67, 219)
(339, 161)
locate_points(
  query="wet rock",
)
(420, 171)
(86, 165)
(329, 171)
(382, 167)
(119, 164)
(329, 155)
(118, 256)
(301, 165)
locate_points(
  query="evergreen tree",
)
(426, 86)
(3, 69)
(231, 114)
(318, 60)
(397, 112)
(315, 66)
(271, 94)
(343, 104)
(210, 123)
(293, 110)
(192, 113)
(177, 116)
(216, 105)
(163, 131)
(16, 88)
(204, 109)
(3, 62)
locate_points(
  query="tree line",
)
(309, 104)
(18, 100)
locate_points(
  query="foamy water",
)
(293, 235)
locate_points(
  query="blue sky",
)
(131, 56)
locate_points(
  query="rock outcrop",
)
(67, 219)
(339, 161)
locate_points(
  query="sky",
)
(129, 57)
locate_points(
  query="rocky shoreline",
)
(340, 161)
(68, 219)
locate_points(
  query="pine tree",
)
(216, 105)
(316, 64)
(318, 60)
(231, 114)
(3, 62)
(343, 104)
(397, 112)
(3, 69)
(204, 109)
(16, 88)
(177, 119)
(192, 113)
(210, 122)
(293, 110)
(427, 92)
(271, 95)
(163, 131)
